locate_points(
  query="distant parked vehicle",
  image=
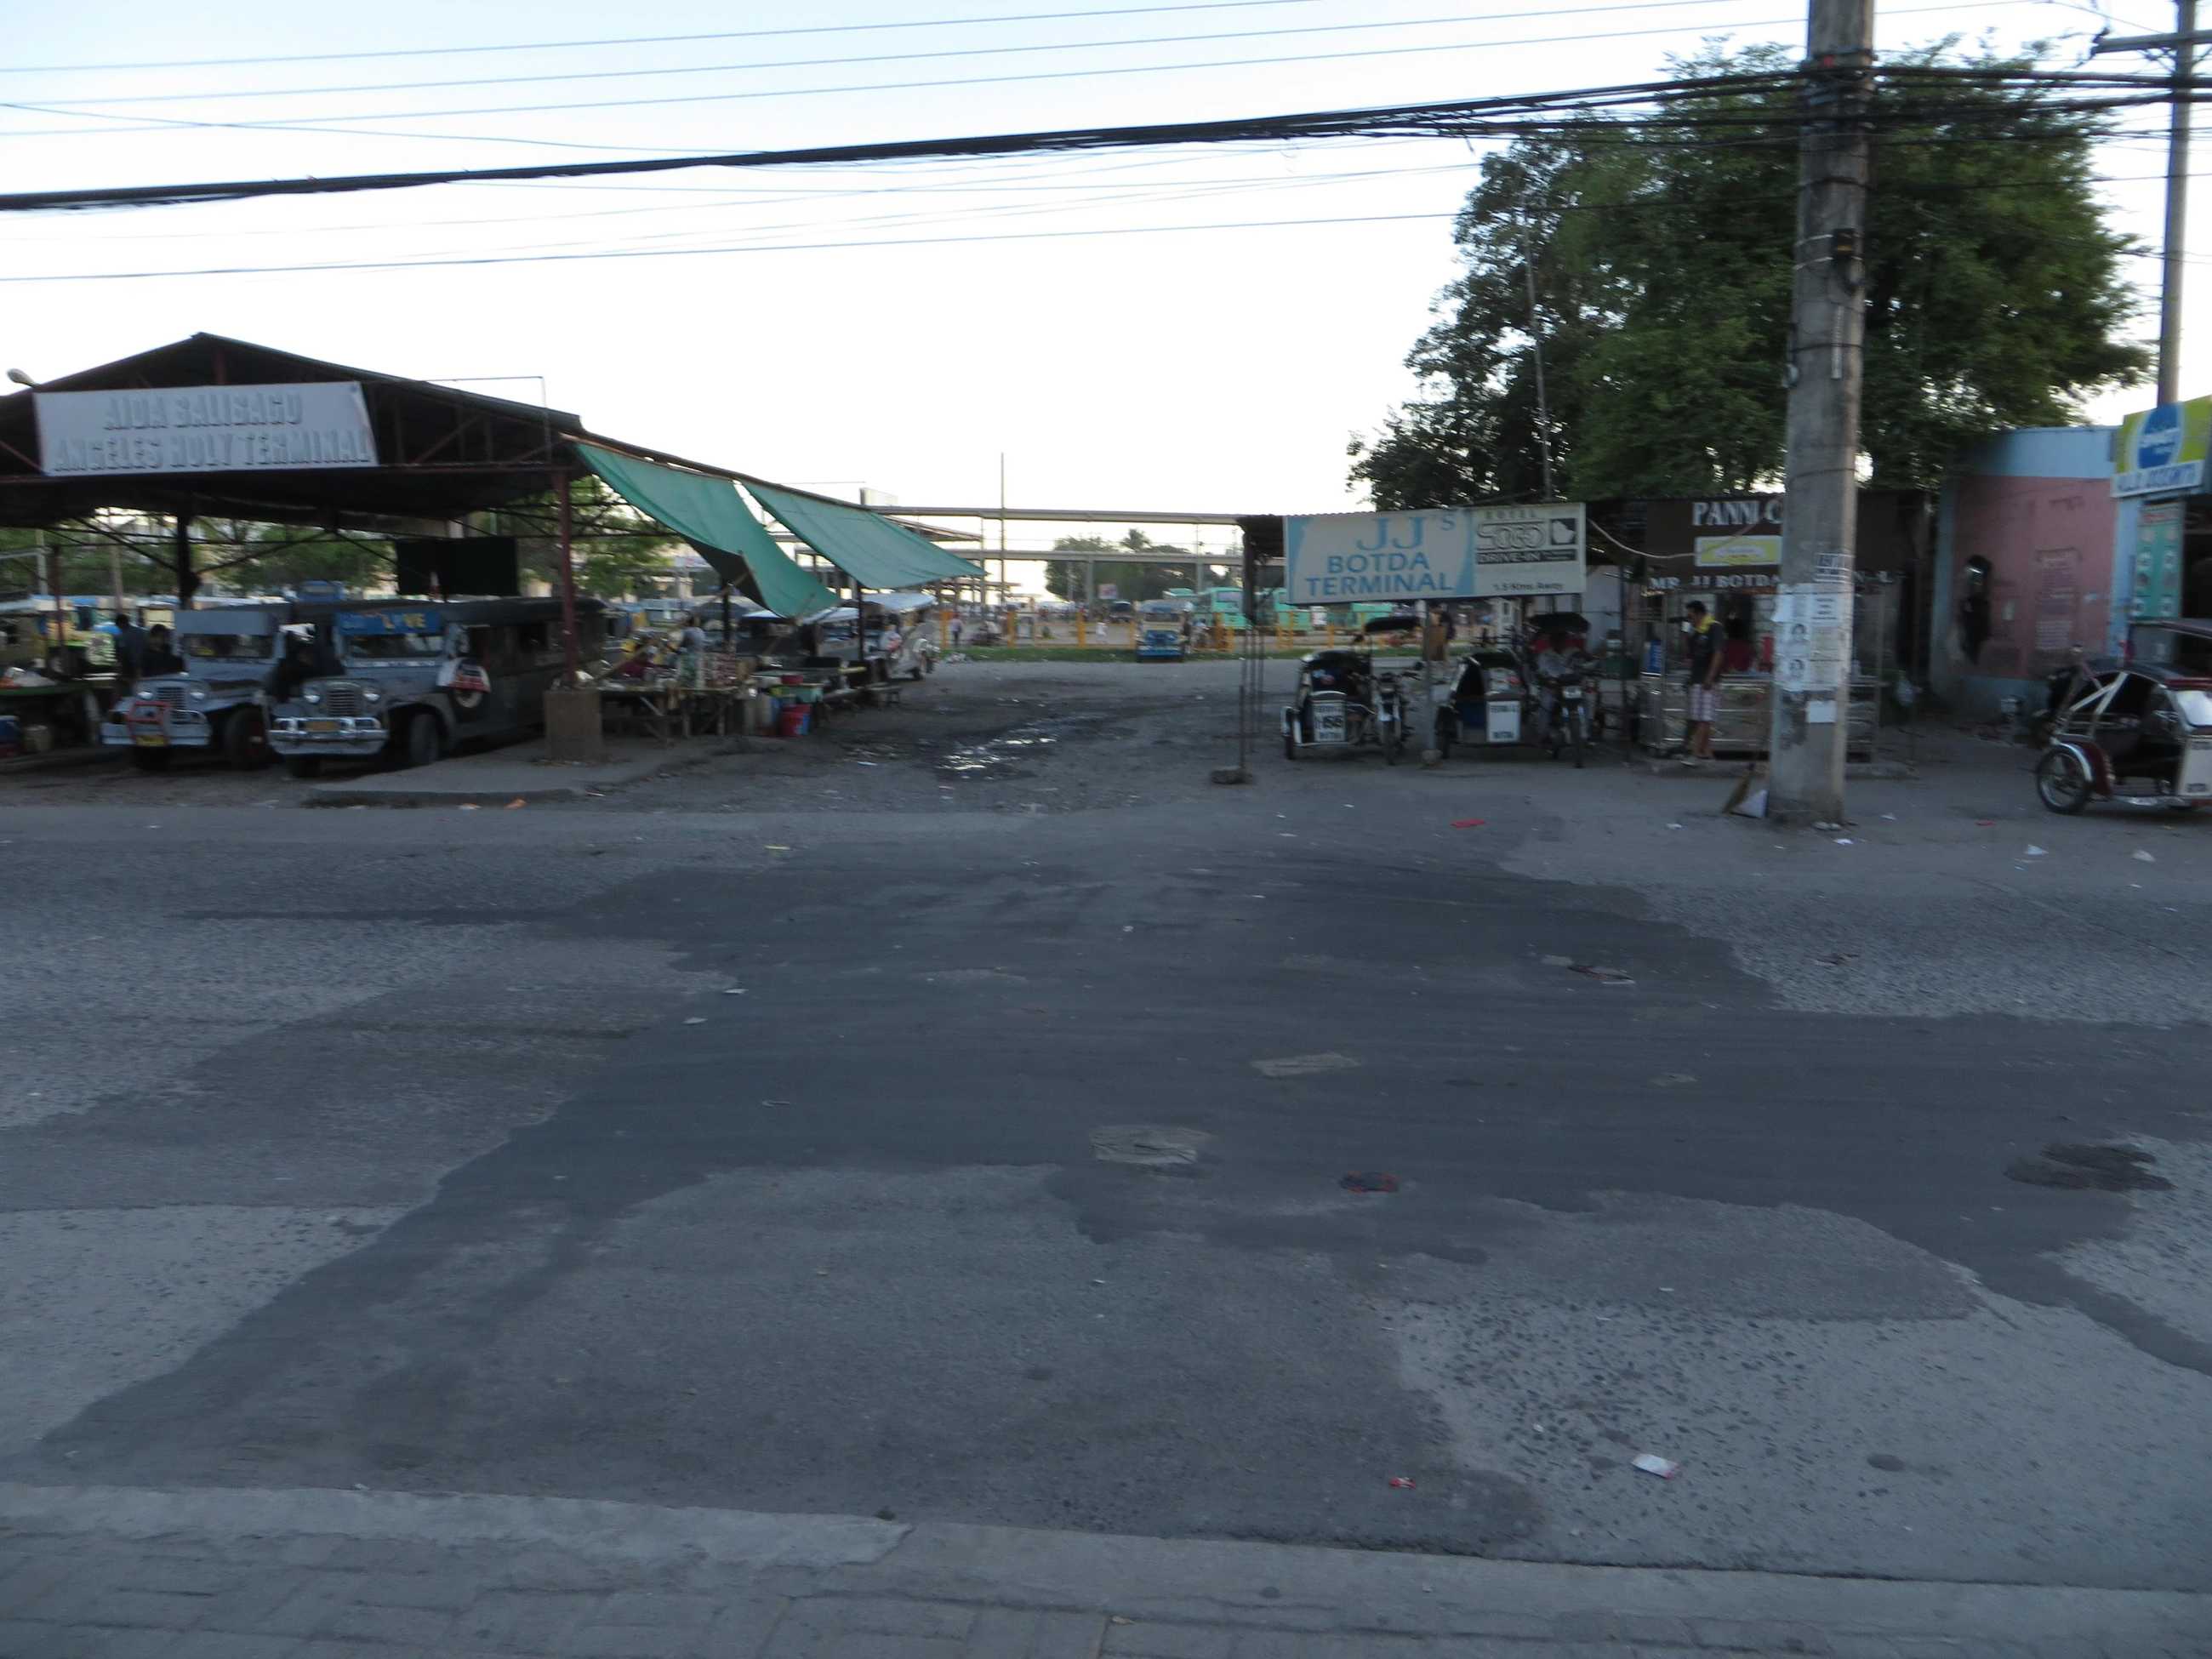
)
(408, 680)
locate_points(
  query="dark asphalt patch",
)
(2076, 1167)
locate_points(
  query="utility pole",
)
(2183, 43)
(1827, 339)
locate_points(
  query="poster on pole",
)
(1439, 553)
(204, 429)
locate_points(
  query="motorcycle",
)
(1564, 701)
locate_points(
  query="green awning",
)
(866, 545)
(709, 513)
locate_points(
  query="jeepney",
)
(408, 680)
(215, 703)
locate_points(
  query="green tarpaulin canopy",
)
(710, 513)
(870, 548)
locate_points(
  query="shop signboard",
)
(1441, 553)
(1726, 552)
(2157, 588)
(204, 429)
(2161, 452)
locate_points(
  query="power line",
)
(761, 65)
(645, 39)
(1439, 119)
(1557, 114)
(313, 123)
(687, 253)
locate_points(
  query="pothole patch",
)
(2082, 1167)
(1149, 1145)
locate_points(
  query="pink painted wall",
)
(2049, 544)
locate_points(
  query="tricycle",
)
(1539, 689)
(2150, 722)
(1342, 702)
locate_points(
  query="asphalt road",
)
(758, 1138)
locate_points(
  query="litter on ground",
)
(1666, 1468)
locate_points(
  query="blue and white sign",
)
(2162, 451)
(1438, 553)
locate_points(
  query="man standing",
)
(1705, 674)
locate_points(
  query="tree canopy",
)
(1134, 580)
(1995, 294)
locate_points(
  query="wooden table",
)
(669, 710)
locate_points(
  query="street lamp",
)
(22, 379)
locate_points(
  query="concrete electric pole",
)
(2183, 43)
(1827, 339)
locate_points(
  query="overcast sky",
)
(1115, 359)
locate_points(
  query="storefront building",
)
(2032, 545)
(1726, 551)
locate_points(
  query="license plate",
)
(1572, 694)
(150, 739)
(322, 726)
(1328, 725)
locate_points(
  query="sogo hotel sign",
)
(1443, 553)
(206, 428)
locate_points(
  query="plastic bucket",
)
(792, 721)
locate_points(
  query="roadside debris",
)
(1985, 824)
(2033, 851)
(1559, 962)
(1603, 975)
(697, 1019)
(1369, 1181)
(1305, 1065)
(1401, 1482)
(2144, 857)
(1468, 823)
(466, 807)
(1665, 1468)
(511, 806)
(1843, 841)
(1673, 1079)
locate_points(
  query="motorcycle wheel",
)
(2061, 783)
(1444, 724)
(1392, 744)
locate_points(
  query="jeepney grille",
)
(343, 699)
(172, 695)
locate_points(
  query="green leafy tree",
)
(1133, 580)
(619, 552)
(1995, 295)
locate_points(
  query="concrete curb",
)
(1197, 1581)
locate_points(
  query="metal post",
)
(61, 600)
(181, 553)
(115, 575)
(568, 583)
(2177, 208)
(1812, 669)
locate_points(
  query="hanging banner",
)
(1440, 553)
(204, 429)
(2157, 576)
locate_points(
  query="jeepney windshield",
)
(386, 648)
(226, 647)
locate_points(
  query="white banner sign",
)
(1441, 553)
(204, 429)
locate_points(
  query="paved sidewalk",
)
(118, 1573)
